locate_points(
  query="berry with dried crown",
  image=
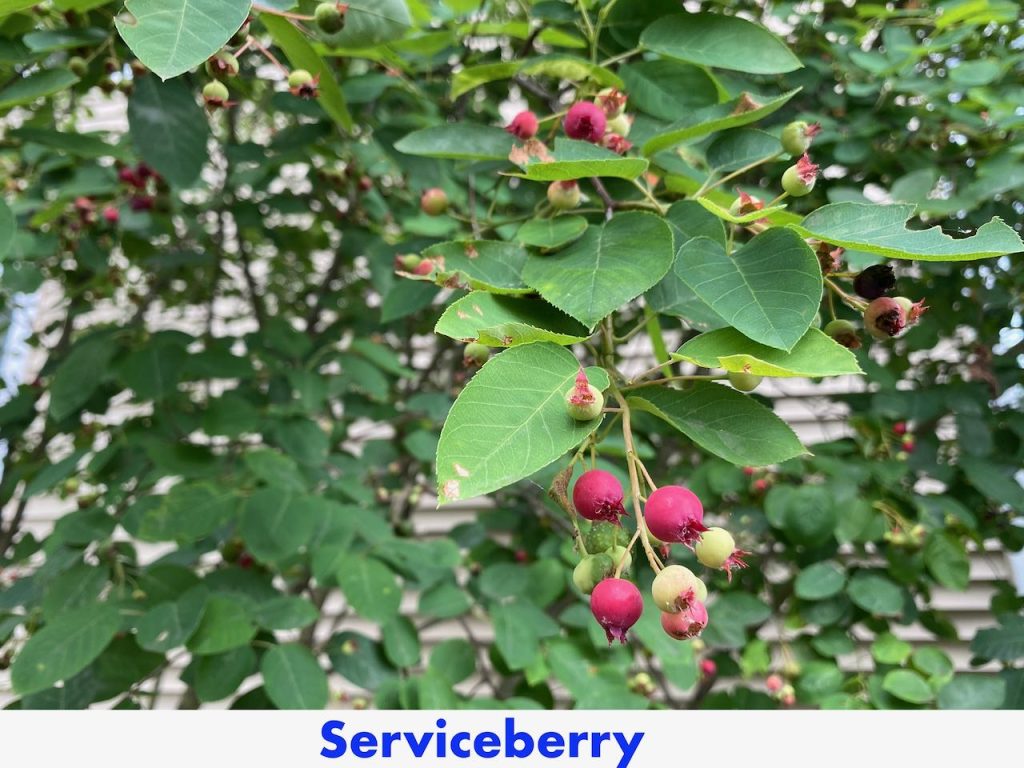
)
(215, 94)
(591, 570)
(884, 318)
(598, 495)
(612, 102)
(686, 624)
(564, 195)
(875, 281)
(329, 18)
(843, 332)
(584, 401)
(616, 143)
(675, 514)
(675, 587)
(475, 353)
(798, 180)
(585, 121)
(221, 65)
(744, 382)
(744, 204)
(434, 201)
(302, 84)
(797, 136)
(617, 606)
(523, 126)
(913, 309)
(717, 549)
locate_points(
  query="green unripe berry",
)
(673, 582)
(715, 547)
(222, 64)
(601, 536)
(215, 92)
(329, 18)
(476, 353)
(564, 195)
(618, 553)
(590, 571)
(298, 78)
(620, 125)
(434, 201)
(744, 382)
(587, 407)
(78, 66)
(795, 140)
(794, 184)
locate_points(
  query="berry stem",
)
(777, 200)
(274, 12)
(273, 59)
(667, 379)
(657, 340)
(850, 301)
(708, 185)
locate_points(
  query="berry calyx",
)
(913, 309)
(476, 353)
(302, 84)
(584, 401)
(798, 180)
(875, 281)
(744, 204)
(717, 549)
(329, 18)
(675, 514)
(215, 94)
(843, 332)
(616, 143)
(586, 121)
(597, 496)
(564, 195)
(434, 201)
(885, 317)
(617, 606)
(523, 126)
(222, 64)
(612, 102)
(796, 137)
(744, 382)
(686, 624)
(592, 570)
(675, 587)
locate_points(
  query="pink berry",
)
(686, 624)
(899, 428)
(585, 120)
(523, 126)
(773, 683)
(885, 317)
(598, 496)
(434, 201)
(111, 214)
(708, 668)
(675, 514)
(617, 605)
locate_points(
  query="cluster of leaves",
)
(228, 341)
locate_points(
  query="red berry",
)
(617, 605)
(688, 623)
(585, 120)
(885, 317)
(708, 668)
(523, 126)
(141, 203)
(598, 496)
(760, 485)
(111, 215)
(675, 514)
(748, 471)
(424, 268)
(899, 428)
(128, 176)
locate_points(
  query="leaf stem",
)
(708, 185)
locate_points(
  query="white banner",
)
(584, 739)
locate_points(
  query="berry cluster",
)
(672, 514)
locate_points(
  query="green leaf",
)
(458, 141)
(715, 40)
(45, 82)
(173, 36)
(973, 692)
(169, 129)
(743, 110)
(934, 663)
(480, 265)
(64, 647)
(169, 625)
(882, 229)
(562, 67)
(820, 581)
(372, 22)
(946, 559)
(1003, 643)
(217, 677)
(86, 145)
(815, 355)
(740, 218)
(769, 290)
(285, 612)
(907, 686)
(76, 586)
(468, 78)
(225, 625)
(78, 376)
(7, 7)
(360, 660)
(371, 588)
(444, 601)
(8, 228)
(889, 649)
(720, 420)
(550, 234)
(454, 660)
(49, 40)
(276, 522)
(401, 642)
(578, 160)
(510, 421)
(737, 149)
(668, 90)
(293, 678)
(519, 626)
(607, 267)
(807, 513)
(301, 55)
(876, 594)
(506, 321)
(187, 513)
